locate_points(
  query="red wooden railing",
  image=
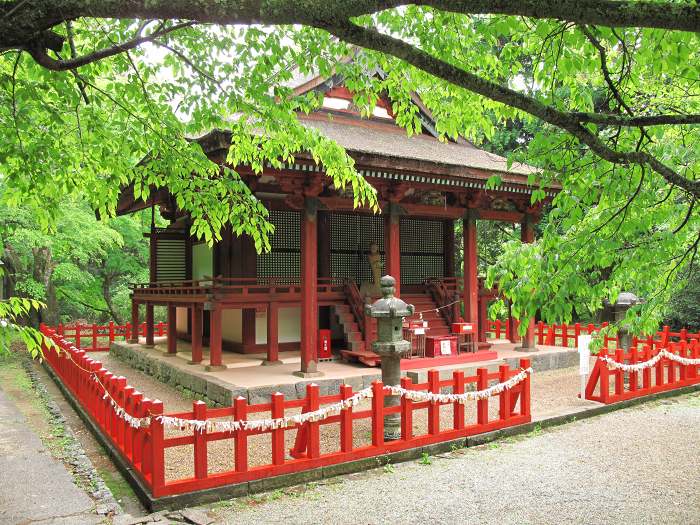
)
(98, 338)
(444, 292)
(144, 448)
(609, 386)
(567, 334)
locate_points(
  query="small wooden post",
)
(157, 450)
(77, 335)
(482, 405)
(110, 333)
(201, 468)
(458, 388)
(94, 337)
(346, 421)
(314, 447)
(646, 373)
(240, 413)
(276, 412)
(377, 414)
(406, 412)
(504, 397)
(433, 407)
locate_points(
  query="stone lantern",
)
(390, 345)
(625, 301)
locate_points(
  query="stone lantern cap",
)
(627, 299)
(389, 306)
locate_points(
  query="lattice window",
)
(170, 257)
(351, 237)
(283, 259)
(422, 249)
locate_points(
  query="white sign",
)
(584, 354)
(445, 347)
(419, 331)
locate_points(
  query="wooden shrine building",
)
(325, 254)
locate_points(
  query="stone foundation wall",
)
(191, 382)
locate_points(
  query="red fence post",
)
(406, 412)
(433, 407)
(604, 380)
(94, 337)
(346, 421)
(671, 365)
(634, 376)
(577, 333)
(458, 388)
(646, 373)
(377, 414)
(240, 413)
(157, 450)
(482, 405)
(201, 467)
(503, 397)
(77, 335)
(276, 412)
(525, 393)
(683, 369)
(111, 334)
(565, 335)
(619, 373)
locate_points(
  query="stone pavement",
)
(34, 487)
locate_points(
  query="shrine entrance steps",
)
(359, 349)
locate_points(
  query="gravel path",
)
(639, 465)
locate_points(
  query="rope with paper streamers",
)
(320, 414)
(612, 364)
(436, 310)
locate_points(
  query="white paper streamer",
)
(612, 364)
(322, 413)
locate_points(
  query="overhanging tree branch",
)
(372, 39)
(39, 54)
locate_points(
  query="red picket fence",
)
(141, 447)
(608, 386)
(567, 334)
(94, 337)
(145, 448)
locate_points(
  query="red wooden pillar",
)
(172, 329)
(248, 330)
(196, 323)
(309, 290)
(149, 325)
(471, 281)
(324, 244)
(392, 244)
(134, 335)
(215, 362)
(527, 234)
(272, 335)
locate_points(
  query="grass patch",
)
(116, 484)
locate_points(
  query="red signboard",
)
(324, 344)
(440, 346)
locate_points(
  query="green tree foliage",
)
(89, 89)
(79, 269)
